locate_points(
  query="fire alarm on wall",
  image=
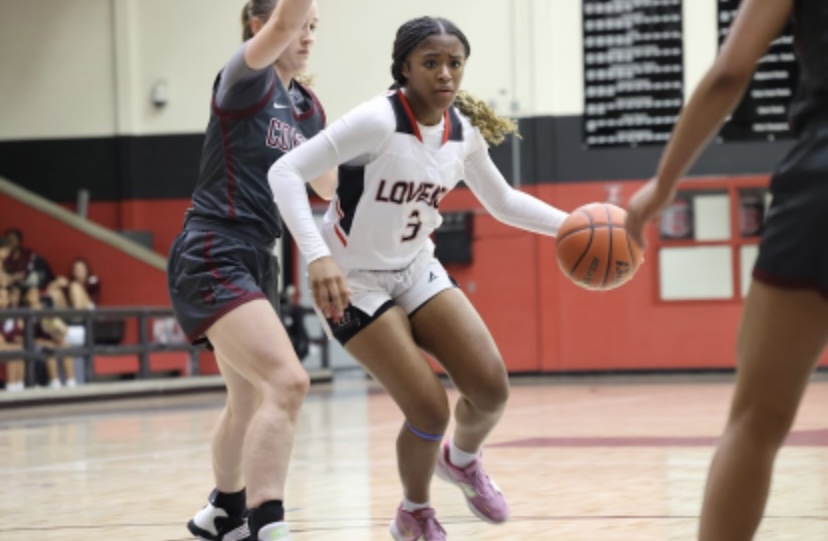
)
(160, 93)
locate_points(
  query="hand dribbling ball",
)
(594, 250)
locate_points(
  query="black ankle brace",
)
(232, 502)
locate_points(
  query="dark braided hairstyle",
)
(493, 127)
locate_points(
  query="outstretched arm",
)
(277, 33)
(757, 24)
(507, 204)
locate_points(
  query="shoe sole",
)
(440, 473)
(395, 533)
(195, 531)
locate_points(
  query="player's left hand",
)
(645, 204)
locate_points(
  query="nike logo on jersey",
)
(280, 106)
(403, 191)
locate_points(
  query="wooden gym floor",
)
(580, 459)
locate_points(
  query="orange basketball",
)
(594, 250)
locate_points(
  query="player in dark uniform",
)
(785, 321)
(223, 274)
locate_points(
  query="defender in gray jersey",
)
(222, 272)
(784, 326)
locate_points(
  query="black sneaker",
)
(214, 524)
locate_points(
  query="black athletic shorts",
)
(793, 252)
(209, 273)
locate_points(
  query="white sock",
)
(460, 458)
(410, 506)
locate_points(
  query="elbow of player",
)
(729, 76)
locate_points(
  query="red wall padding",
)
(540, 320)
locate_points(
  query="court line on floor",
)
(339, 523)
(334, 434)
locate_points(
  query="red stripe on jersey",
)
(315, 107)
(229, 170)
(342, 238)
(339, 210)
(446, 127)
(214, 271)
(247, 112)
(410, 114)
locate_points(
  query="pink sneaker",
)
(420, 525)
(483, 496)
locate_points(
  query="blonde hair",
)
(492, 126)
(305, 79)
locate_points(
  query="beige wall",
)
(80, 68)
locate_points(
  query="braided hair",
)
(493, 127)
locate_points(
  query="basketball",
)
(594, 250)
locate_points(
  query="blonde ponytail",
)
(493, 127)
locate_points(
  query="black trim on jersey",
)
(404, 121)
(455, 125)
(242, 113)
(314, 105)
(349, 192)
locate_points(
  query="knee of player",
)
(286, 388)
(489, 391)
(430, 417)
(764, 424)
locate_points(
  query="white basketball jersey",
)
(385, 210)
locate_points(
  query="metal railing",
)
(145, 346)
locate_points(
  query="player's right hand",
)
(330, 290)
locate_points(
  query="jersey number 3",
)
(413, 226)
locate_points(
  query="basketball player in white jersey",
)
(373, 272)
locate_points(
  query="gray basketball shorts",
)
(210, 273)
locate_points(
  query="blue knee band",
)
(423, 435)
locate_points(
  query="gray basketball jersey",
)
(239, 148)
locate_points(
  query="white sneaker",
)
(71, 382)
(55, 384)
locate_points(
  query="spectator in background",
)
(15, 295)
(11, 338)
(24, 265)
(6, 279)
(50, 333)
(82, 289)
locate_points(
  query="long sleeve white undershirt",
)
(356, 138)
